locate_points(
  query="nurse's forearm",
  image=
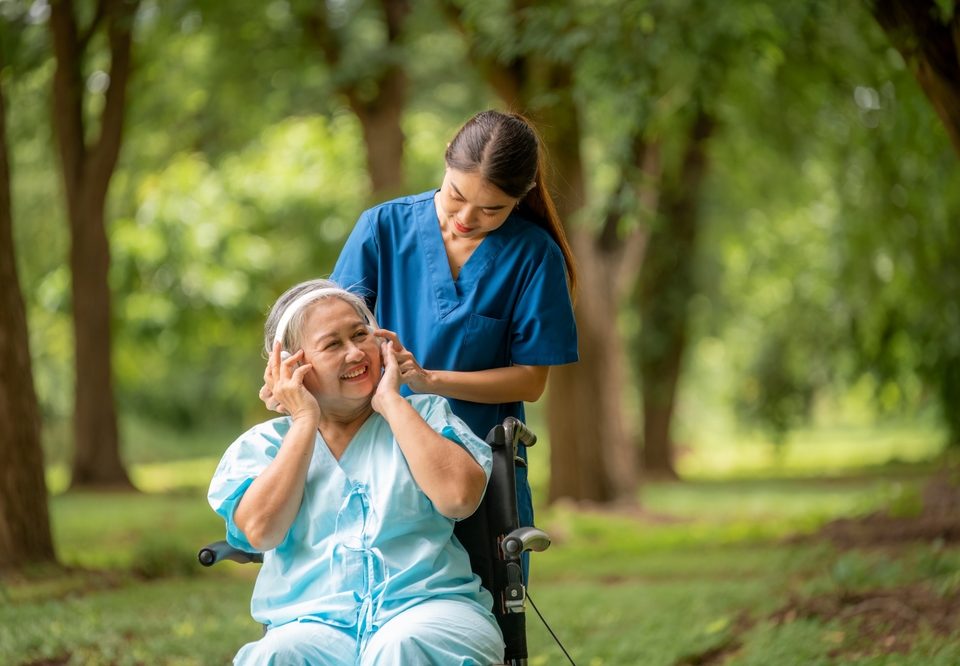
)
(270, 505)
(517, 383)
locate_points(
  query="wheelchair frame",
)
(492, 537)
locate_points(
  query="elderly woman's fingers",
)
(291, 363)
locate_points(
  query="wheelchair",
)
(492, 537)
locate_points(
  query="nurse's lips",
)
(459, 227)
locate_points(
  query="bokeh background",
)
(763, 198)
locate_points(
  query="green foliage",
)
(826, 258)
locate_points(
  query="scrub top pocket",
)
(484, 344)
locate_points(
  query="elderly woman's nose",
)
(354, 350)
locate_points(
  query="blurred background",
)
(763, 203)
(763, 198)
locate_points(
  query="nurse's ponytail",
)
(507, 151)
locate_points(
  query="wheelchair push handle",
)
(523, 539)
(518, 431)
(221, 550)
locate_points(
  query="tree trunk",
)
(664, 290)
(931, 48)
(591, 458)
(24, 522)
(87, 171)
(381, 112)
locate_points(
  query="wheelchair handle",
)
(518, 431)
(221, 550)
(523, 539)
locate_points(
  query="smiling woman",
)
(322, 491)
(475, 278)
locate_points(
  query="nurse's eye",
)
(489, 212)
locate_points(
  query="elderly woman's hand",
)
(288, 390)
(389, 386)
(411, 373)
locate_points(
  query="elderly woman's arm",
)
(445, 472)
(270, 505)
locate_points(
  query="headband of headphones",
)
(303, 299)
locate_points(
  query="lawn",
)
(709, 571)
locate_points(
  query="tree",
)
(87, 167)
(25, 536)
(377, 93)
(664, 288)
(927, 34)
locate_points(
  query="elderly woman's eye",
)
(361, 334)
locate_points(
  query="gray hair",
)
(286, 318)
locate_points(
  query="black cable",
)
(566, 654)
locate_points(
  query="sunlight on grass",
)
(194, 473)
(819, 451)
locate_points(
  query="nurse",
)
(352, 499)
(475, 279)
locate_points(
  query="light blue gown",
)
(508, 306)
(369, 572)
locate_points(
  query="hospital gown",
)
(369, 572)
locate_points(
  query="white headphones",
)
(309, 297)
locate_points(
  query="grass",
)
(700, 571)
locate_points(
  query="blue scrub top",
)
(509, 305)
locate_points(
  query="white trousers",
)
(436, 632)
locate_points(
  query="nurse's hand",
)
(288, 390)
(411, 373)
(389, 387)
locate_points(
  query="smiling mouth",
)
(462, 229)
(353, 374)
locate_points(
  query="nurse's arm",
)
(516, 383)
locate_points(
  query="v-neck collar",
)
(447, 291)
(324, 448)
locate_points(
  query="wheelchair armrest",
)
(221, 550)
(523, 539)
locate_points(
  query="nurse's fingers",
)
(389, 335)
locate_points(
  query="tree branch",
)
(104, 153)
(84, 38)
(68, 95)
(932, 49)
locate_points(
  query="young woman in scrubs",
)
(472, 282)
(352, 499)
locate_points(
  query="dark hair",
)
(508, 153)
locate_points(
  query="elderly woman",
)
(352, 497)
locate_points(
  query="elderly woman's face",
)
(344, 355)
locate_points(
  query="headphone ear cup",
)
(284, 355)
